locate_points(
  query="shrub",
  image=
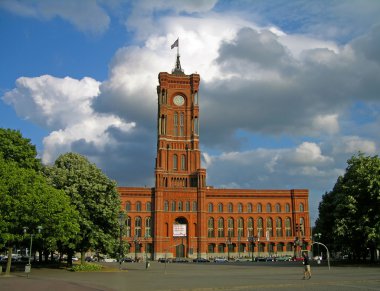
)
(86, 268)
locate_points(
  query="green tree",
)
(95, 197)
(14, 147)
(28, 201)
(350, 213)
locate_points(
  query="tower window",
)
(175, 123)
(175, 162)
(181, 124)
(183, 162)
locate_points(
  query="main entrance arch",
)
(180, 231)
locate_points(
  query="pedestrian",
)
(306, 263)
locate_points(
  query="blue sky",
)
(289, 89)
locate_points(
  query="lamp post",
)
(251, 240)
(136, 242)
(147, 264)
(318, 235)
(228, 243)
(121, 219)
(28, 267)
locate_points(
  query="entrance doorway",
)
(180, 251)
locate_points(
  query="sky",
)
(289, 89)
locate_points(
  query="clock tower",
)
(178, 160)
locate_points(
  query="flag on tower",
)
(175, 44)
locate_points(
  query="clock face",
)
(178, 100)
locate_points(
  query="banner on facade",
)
(179, 230)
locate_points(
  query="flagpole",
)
(178, 47)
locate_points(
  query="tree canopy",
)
(94, 196)
(349, 215)
(14, 147)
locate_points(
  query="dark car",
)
(164, 260)
(128, 260)
(180, 260)
(201, 260)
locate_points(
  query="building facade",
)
(184, 217)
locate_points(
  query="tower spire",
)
(177, 69)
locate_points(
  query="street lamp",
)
(136, 242)
(121, 224)
(146, 237)
(297, 243)
(251, 240)
(28, 267)
(228, 243)
(318, 235)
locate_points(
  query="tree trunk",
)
(82, 254)
(70, 258)
(8, 269)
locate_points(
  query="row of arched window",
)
(266, 228)
(221, 208)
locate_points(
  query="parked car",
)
(201, 260)
(165, 260)
(284, 259)
(180, 260)
(220, 260)
(128, 260)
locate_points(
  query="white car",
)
(220, 260)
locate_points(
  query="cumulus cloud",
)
(63, 106)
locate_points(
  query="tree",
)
(14, 147)
(94, 196)
(28, 201)
(350, 214)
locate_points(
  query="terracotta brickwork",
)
(183, 217)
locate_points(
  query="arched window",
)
(138, 206)
(259, 208)
(180, 207)
(148, 206)
(220, 207)
(128, 223)
(269, 208)
(138, 226)
(166, 205)
(302, 226)
(148, 227)
(240, 227)
(187, 206)
(220, 227)
(181, 123)
(230, 224)
(288, 229)
(195, 206)
(183, 162)
(210, 207)
(287, 207)
(260, 227)
(240, 208)
(302, 207)
(249, 207)
(173, 206)
(128, 206)
(269, 227)
(196, 126)
(175, 162)
(230, 207)
(175, 124)
(278, 208)
(250, 227)
(278, 227)
(210, 227)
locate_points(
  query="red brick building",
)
(184, 217)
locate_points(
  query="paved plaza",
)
(198, 277)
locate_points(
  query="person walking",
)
(306, 262)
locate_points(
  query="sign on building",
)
(179, 230)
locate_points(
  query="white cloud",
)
(353, 145)
(63, 106)
(326, 123)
